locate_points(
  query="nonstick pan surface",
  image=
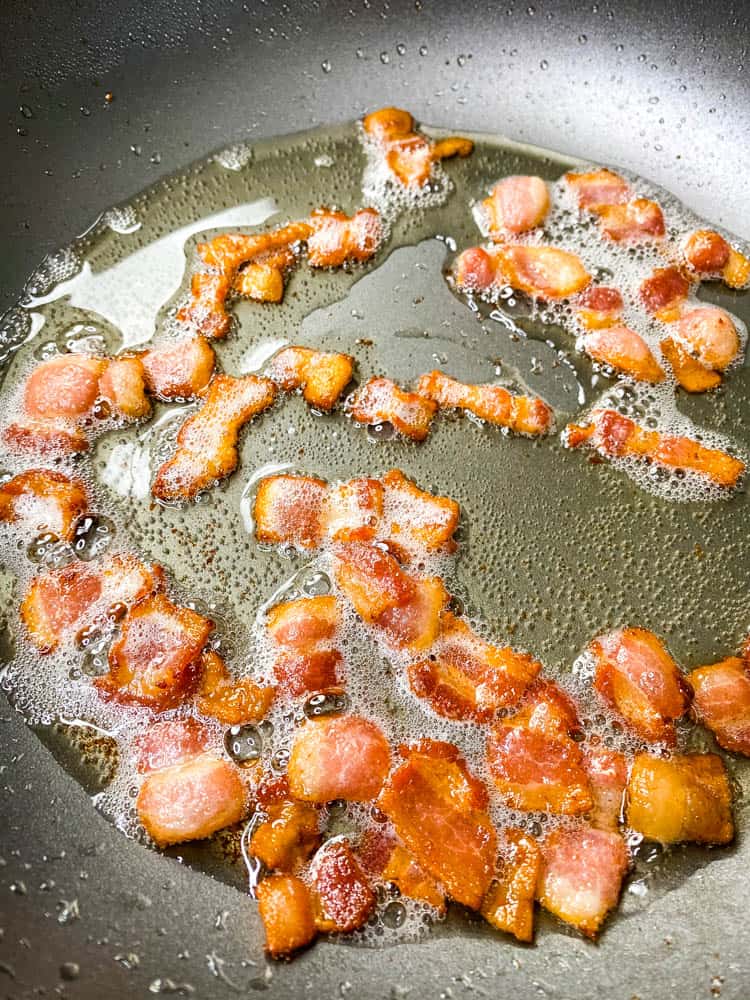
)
(57, 850)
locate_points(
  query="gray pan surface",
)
(185, 930)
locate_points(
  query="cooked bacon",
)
(682, 798)
(233, 702)
(638, 678)
(546, 708)
(581, 875)
(710, 255)
(412, 881)
(540, 271)
(206, 447)
(61, 602)
(354, 510)
(736, 271)
(157, 659)
(300, 673)
(408, 153)
(475, 271)
(598, 187)
(261, 282)
(380, 401)
(66, 386)
(615, 436)
(721, 702)
(522, 414)
(286, 909)
(344, 895)
(321, 375)
(207, 309)
(608, 775)
(689, 372)
(663, 291)
(229, 251)
(416, 518)
(190, 801)
(509, 903)
(43, 500)
(624, 350)
(598, 306)
(467, 678)
(170, 741)
(288, 836)
(123, 386)
(439, 812)
(709, 335)
(638, 221)
(338, 239)
(338, 757)
(288, 510)
(305, 630)
(179, 371)
(515, 205)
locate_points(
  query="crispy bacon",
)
(638, 221)
(380, 401)
(624, 350)
(344, 895)
(306, 631)
(736, 271)
(710, 255)
(638, 678)
(286, 909)
(338, 757)
(233, 702)
(190, 801)
(409, 154)
(338, 239)
(354, 510)
(581, 875)
(43, 500)
(207, 309)
(598, 306)
(122, 385)
(663, 292)
(412, 881)
(540, 271)
(179, 371)
(493, 403)
(229, 251)
(286, 839)
(262, 282)
(439, 812)
(708, 335)
(722, 702)
(608, 775)
(415, 518)
(170, 741)
(321, 375)
(509, 903)
(689, 372)
(682, 798)
(598, 187)
(515, 205)
(616, 436)
(206, 447)
(546, 708)
(288, 510)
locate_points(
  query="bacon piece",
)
(515, 205)
(338, 239)
(301, 673)
(467, 678)
(415, 517)
(522, 414)
(412, 881)
(122, 385)
(722, 702)
(624, 350)
(288, 510)
(710, 255)
(229, 251)
(381, 401)
(170, 741)
(338, 757)
(683, 798)
(709, 335)
(66, 386)
(190, 801)
(540, 271)
(306, 630)
(344, 895)
(261, 283)
(663, 291)
(638, 221)
(598, 306)
(439, 812)
(736, 271)
(179, 371)
(598, 187)
(581, 875)
(286, 909)
(414, 624)
(408, 154)
(354, 510)
(608, 776)
(206, 448)
(207, 309)
(547, 709)
(321, 375)
(475, 271)
(616, 436)
(43, 500)
(157, 659)
(509, 903)
(287, 838)
(638, 678)
(233, 702)
(689, 372)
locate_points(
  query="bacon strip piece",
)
(598, 187)
(683, 798)
(354, 510)
(343, 892)
(207, 442)
(722, 702)
(179, 371)
(663, 292)
(411, 880)
(708, 335)
(608, 776)
(624, 350)
(689, 372)
(516, 204)
(43, 500)
(540, 271)
(509, 903)
(710, 255)
(306, 631)
(286, 909)
(321, 375)
(439, 812)
(409, 154)
(207, 309)
(616, 436)
(638, 221)
(380, 401)
(338, 757)
(168, 742)
(337, 239)
(289, 835)
(598, 306)
(288, 510)
(232, 702)
(416, 519)
(522, 414)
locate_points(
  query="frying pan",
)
(655, 87)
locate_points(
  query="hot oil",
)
(555, 547)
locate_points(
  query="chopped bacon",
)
(439, 812)
(190, 801)
(608, 775)
(599, 187)
(722, 702)
(547, 709)
(300, 673)
(615, 436)
(261, 282)
(354, 510)
(157, 659)
(709, 335)
(689, 372)
(710, 255)
(467, 678)
(179, 371)
(663, 292)
(515, 205)
(682, 798)
(736, 271)
(207, 309)
(598, 306)
(344, 895)
(381, 401)
(414, 624)
(408, 154)
(286, 909)
(43, 500)
(415, 517)
(321, 375)
(170, 741)
(206, 447)
(306, 629)
(624, 350)
(338, 757)
(289, 835)
(122, 385)
(581, 875)
(233, 702)
(638, 678)
(64, 387)
(493, 403)
(475, 271)
(288, 510)
(509, 903)
(229, 251)
(412, 881)
(638, 221)
(540, 271)
(338, 239)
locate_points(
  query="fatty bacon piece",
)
(206, 447)
(305, 631)
(608, 776)
(342, 892)
(509, 903)
(616, 436)
(663, 292)
(595, 188)
(416, 520)
(408, 154)
(290, 831)
(625, 351)
(178, 371)
(170, 741)
(515, 205)
(412, 881)
(636, 221)
(232, 701)
(702, 343)
(709, 255)
(381, 401)
(321, 375)
(599, 306)
(522, 414)
(439, 813)
(43, 500)
(337, 239)
(539, 271)
(288, 510)
(285, 905)
(721, 701)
